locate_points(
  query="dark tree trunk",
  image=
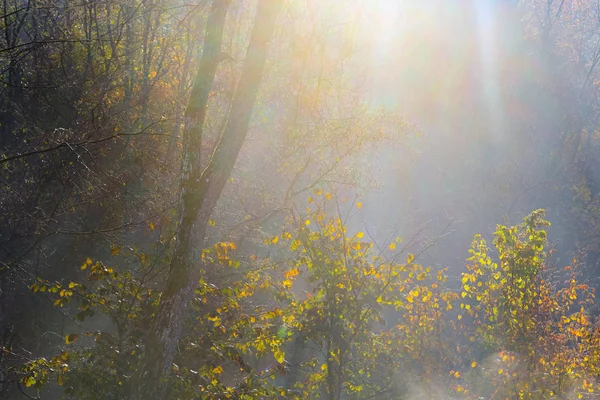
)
(201, 189)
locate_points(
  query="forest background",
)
(299, 199)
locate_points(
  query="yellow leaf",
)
(279, 356)
(115, 250)
(212, 222)
(500, 371)
(292, 273)
(215, 320)
(473, 364)
(275, 240)
(152, 226)
(360, 235)
(29, 381)
(307, 222)
(86, 264)
(71, 338)
(359, 205)
(392, 246)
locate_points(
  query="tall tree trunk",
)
(201, 189)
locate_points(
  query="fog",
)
(164, 232)
(463, 74)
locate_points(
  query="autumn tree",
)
(539, 338)
(201, 188)
(327, 289)
(344, 290)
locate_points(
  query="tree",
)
(238, 339)
(200, 189)
(352, 289)
(332, 294)
(543, 340)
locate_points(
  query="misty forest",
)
(300, 199)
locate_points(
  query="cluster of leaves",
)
(354, 286)
(541, 338)
(314, 324)
(107, 360)
(230, 328)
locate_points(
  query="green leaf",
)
(29, 381)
